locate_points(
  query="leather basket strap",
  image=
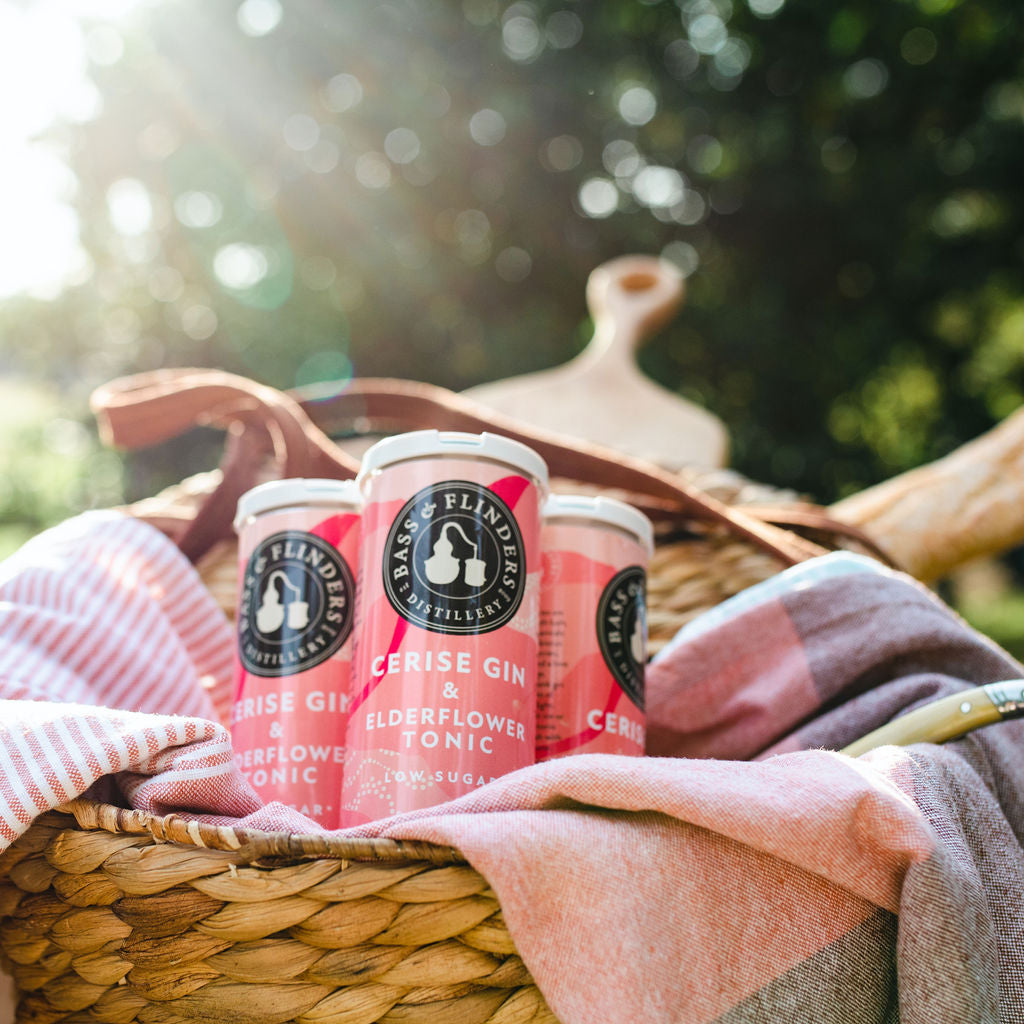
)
(145, 409)
(816, 520)
(142, 410)
(387, 404)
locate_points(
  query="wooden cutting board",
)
(601, 395)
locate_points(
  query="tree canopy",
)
(419, 189)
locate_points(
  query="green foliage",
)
(420, 189)
(50, 465)
(1001, 619)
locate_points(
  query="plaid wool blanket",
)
(742, 872)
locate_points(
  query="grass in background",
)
(987, 594)
(51, 462)
(1000, 617)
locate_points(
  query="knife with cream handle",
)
(948, 718)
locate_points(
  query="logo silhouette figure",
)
(443, 567)
(270, 615)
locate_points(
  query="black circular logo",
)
(296, 604)
(454, 560)
(622, 630)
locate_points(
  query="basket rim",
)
(252, 844)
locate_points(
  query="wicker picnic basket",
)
(112, 915)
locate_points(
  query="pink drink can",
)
(449, 600)
(593, 627)
(298, 549)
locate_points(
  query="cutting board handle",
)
(601, 394)
(629, 299)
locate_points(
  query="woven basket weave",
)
(116, 916)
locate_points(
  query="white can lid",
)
(420, 443)
(299, 491)
(602, 510)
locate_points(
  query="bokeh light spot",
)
(683, 255)
(240, 266)
(121, 326)
(166, 284)
(436, 100)
(67, 437)
(259, 17)
(323, 157)
(656, 186)
(621, 158)
(410, 252)
(521, 37)
(343, 92)
(865, 78)
(681, 59)
(707, 33)
(373, 171)
(919, 46)
(301, 132)
(472, 229)
(765, 8)
(965, 212)
(691, 209)
(196, 209)
(838, 154)
(733, 58)
(725, 197)
(704, 154)
(323, 367)
(420, 172)
(158, 140)
(199, 322)
(955, 156)
(598, 197)
(129, 207)
(487, 127)
(637, 105)
(562, 153)
(402, 145)
(480, 12)
(563, 30)
(1005, 101)
(513, 264)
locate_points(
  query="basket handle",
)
(138, 411)
(145, 409)
(387, 404)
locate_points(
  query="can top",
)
(607, 511)
(423, 443)
(297, 491)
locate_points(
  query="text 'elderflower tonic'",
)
(298, 550)
(445, 662)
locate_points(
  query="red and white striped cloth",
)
(114, 661)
